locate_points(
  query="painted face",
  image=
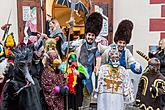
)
(90, 37)
(114, 59)
(114, 56)
(121, 44)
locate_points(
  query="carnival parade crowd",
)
(53, 73)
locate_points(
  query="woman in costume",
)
(57, 33)
(52, 78)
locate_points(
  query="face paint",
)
(114, 56)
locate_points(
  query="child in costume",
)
(151, 87)
(76, 73)
(114, 86)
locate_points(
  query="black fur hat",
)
(124, 31)
(94, 23)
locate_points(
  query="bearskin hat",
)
(124, 31)
(94, 23)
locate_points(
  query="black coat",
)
(161, 57)
(27, 99)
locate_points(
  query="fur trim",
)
(94, 23)
(124, 31)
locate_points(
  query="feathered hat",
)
(124, 31)
(94, 23)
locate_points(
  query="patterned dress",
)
(49, 80)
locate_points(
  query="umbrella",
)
(78, 6)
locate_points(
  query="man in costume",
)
(122, 38)
(87, 52)
(114, 85)
(151, 87)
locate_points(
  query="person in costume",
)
(52, 79)
(3, 67)
(151, 87)
(122, 38)
(56, 32)
(21, 93)
(9, 46)
(37, 69)
(88, 51)
(76, 73)
(158, 49)
(114, 87)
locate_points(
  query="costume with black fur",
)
(21, 93)
(151, 87)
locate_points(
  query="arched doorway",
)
(63, 14)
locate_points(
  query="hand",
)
(96, 70)
(57, 38)
(44, 35)
(137, 67)
(62, 91)
(76, 72)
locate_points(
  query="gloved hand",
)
(62, 91)
(66, 89)
(137, 67)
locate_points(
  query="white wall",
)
(139, 12)
(5, 7)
